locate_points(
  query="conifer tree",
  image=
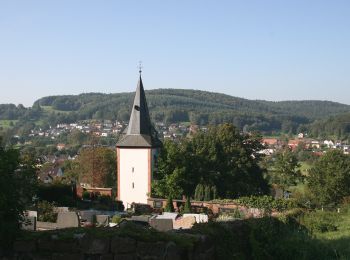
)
(207, 193)
(169, 205)
(187, 208)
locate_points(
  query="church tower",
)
(136, 152)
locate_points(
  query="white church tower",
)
(136, 153)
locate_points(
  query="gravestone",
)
(87, 215)
(67, 219)
(102, 220)
(142, 218)
(161, 224)
(29, 223)
(200, 218)
(62, 209)
(168, 215)
(31, 213)
(185, 222)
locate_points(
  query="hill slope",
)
(175, 105)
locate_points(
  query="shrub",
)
(267, 203)
(199, 192)
(57, 193)
(105, 199)
(187, 208)
(118, 205)
(169, 205)
(207, 193)
(86, 195)
(116, 219)
(320, 221)
(46, 211)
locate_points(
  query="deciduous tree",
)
(329, 179)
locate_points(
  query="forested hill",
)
(176, 105)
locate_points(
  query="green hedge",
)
(262, 202)
(61, 194)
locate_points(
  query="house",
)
(49, 174)
(315, 144)
(301, 135)
(267, 151)
(193, 129)
(328, 143)
(104, 134)
(60, 146)
(271, 142)
(293, 143)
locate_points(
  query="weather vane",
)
(140, 67)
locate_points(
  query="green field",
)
(7, 123)
(49, 109)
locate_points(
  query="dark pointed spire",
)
(139, 132)
(139, 122)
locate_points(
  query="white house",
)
(137, 153)
(328, 143)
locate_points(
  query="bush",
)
(187, 208)
(116, 219)
(267, 203)
(57, 193)
(46, 211)
(263, 238)
(118, 205)
(320, 221)
(86, 195)
(105, 199)
(205, 192)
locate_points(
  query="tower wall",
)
(134, 174)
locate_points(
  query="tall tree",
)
(96, 166)
(17, 183)
(285, 172)
(221, 157)
(329, 179)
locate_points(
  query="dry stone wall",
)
(91, 247)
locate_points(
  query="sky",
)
(271, 50)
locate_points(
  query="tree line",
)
(176, 105)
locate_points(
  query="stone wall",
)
(105, 247)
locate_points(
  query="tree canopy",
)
(17, 186)
(285, 170)
(178, 105)
(95, 166)
(222, 158)
(329, 179)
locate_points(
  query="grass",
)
(7, 123)
(339, 240)
(49, 109)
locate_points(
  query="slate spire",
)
(139, 123)
(139, 132)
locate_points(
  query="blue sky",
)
(273, 50)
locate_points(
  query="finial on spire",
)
(140, 67)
